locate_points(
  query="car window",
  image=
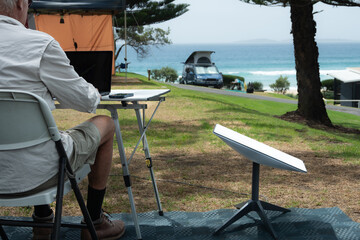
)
(206, 70)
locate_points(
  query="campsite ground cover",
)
(196, 171)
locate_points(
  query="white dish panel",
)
(259, 152)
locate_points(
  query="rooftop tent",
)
(200, 57)
(80, 25)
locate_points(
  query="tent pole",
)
(126, 65)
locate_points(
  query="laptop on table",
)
(95, 67)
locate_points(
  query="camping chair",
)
(26, 121)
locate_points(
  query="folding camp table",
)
(133, 103)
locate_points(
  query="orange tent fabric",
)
(86, 32)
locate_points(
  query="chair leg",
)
(64, 164)
(3, 234)
(57, 222)
(85, 212)
(59, 198)
(80, 200)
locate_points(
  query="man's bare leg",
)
(100, 170)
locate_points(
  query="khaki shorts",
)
(86, 139)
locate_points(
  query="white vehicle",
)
(199, 70)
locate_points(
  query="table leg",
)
(125, 169)
(141, 124)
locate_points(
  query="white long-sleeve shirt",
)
(34, 61)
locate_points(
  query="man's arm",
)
(64, 83)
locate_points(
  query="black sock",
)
(42, 210)
(94, 202)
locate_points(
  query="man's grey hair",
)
(7, 6)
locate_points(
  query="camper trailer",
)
(200, 70)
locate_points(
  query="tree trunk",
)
(118, 51)
(310, 103)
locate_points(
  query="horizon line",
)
(269, 41)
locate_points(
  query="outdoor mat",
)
(299, 224)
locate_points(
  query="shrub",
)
(328, 94)
(257, 85)
(328, 84)
(292, 95)
(166, 74)
(156, 74)
(281, 85)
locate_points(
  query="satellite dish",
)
(259, 152)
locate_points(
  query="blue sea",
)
(255, 62)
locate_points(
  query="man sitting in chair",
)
(33, 61)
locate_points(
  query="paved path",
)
(354, 111)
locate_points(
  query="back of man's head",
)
(7, 6)
(14, 8)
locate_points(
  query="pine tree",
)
(310, 103)
(141, 13)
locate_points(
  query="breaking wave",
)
(286, 72)
(274, 73)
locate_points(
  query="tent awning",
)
(346, 76)
(77, 6)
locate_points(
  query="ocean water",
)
(257, 62)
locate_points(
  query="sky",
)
(232, 21)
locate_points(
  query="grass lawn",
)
(196, 171)
(276, 95)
